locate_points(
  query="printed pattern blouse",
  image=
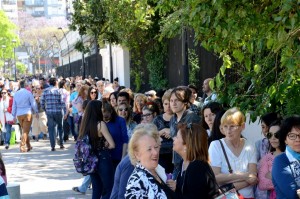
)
(141, 184)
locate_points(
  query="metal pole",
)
(14, 41)
(70, 72)
(111, 64)
(185, 62)
(83, 61)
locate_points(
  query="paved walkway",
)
(43, 174)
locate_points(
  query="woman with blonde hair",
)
(240, 169)
(148, 178)
(139, 102)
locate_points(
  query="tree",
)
(133, 24)
(7, 35)
(258, 42)
(36, 35)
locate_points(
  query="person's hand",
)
(171, 184)
(167, 133)
(252, 179)
(65, 116)
(268, 175)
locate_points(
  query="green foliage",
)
(155, 58)
(21, 68)
(258, 42)
(7, 35)
(194, 67)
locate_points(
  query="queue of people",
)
(172, 145)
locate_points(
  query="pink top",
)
(265, 167)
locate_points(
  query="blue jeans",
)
(7, 134)
(72, 125)
(103, 179)
(55, 120)
(85, 184)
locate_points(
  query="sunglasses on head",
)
(270, 135)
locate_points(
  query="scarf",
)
(293, 153)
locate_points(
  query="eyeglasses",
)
(147, 115)
(270, 135)
(123, 109)
(293, 136)
(94, 92)
(230, 127)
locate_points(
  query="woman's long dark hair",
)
(215, 131)
(92, 116)
(106, 106)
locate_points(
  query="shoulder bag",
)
(228, 191)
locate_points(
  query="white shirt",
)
(238, 164)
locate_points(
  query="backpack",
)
(85, 161)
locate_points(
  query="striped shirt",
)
(52, 101)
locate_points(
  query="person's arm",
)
(104, 131)
(124, 136)
(115, 190)
(33, 104)
(10, 103)
(14, 108)
(283, 179)
(264, 182)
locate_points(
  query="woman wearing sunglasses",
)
(92, 94)
(286, 166)
(265, 168)
(125, 111)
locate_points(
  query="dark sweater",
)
(198, 180)
(283, 179)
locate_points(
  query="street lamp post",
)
(70, 73)
(62, 60)
(14, 41)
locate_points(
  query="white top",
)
(238, 164)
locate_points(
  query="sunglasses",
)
(146, 115)
(270, 135)
(149, 95)
(38, 88)
(123, 109)
(94, 92)
(3, 92)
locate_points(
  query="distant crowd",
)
(169, 144)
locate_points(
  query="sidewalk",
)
(43, 174)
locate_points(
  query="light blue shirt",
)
(72, 97)
(23, 103)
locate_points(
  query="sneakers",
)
(62, 146)
(53, 149)
(77, 190)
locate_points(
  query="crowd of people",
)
(169, 144)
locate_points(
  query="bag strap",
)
(225, 154)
